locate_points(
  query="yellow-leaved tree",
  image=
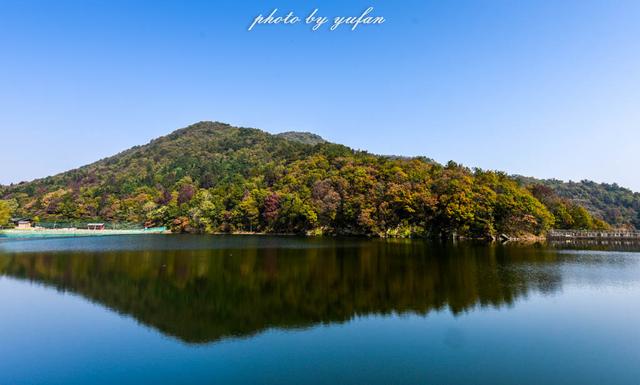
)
(5, 212)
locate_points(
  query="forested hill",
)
(617, 205)
(212, 177)
(302, 137)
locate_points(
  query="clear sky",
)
(540, 88)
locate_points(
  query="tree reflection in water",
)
(201, 295)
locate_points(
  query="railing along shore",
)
(594, 234)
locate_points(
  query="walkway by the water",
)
(593, 234)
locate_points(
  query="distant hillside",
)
(302, 137)
(212, 177)
(616, 205)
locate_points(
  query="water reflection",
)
(240, 286)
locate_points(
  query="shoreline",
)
(72, 232)
(522, 240)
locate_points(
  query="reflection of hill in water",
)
(204, 295)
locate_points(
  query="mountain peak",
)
(215, 127)
(302, 137)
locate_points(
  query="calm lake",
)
(186, 309)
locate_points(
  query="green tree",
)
(5, 212)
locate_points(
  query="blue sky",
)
(540, 88)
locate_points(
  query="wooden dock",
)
(596, 235)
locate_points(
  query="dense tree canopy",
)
(212, 177)
(618, 206)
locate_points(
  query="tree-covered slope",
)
(302, 137)
(212, 177)
(616, 205)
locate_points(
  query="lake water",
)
(268, 310)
